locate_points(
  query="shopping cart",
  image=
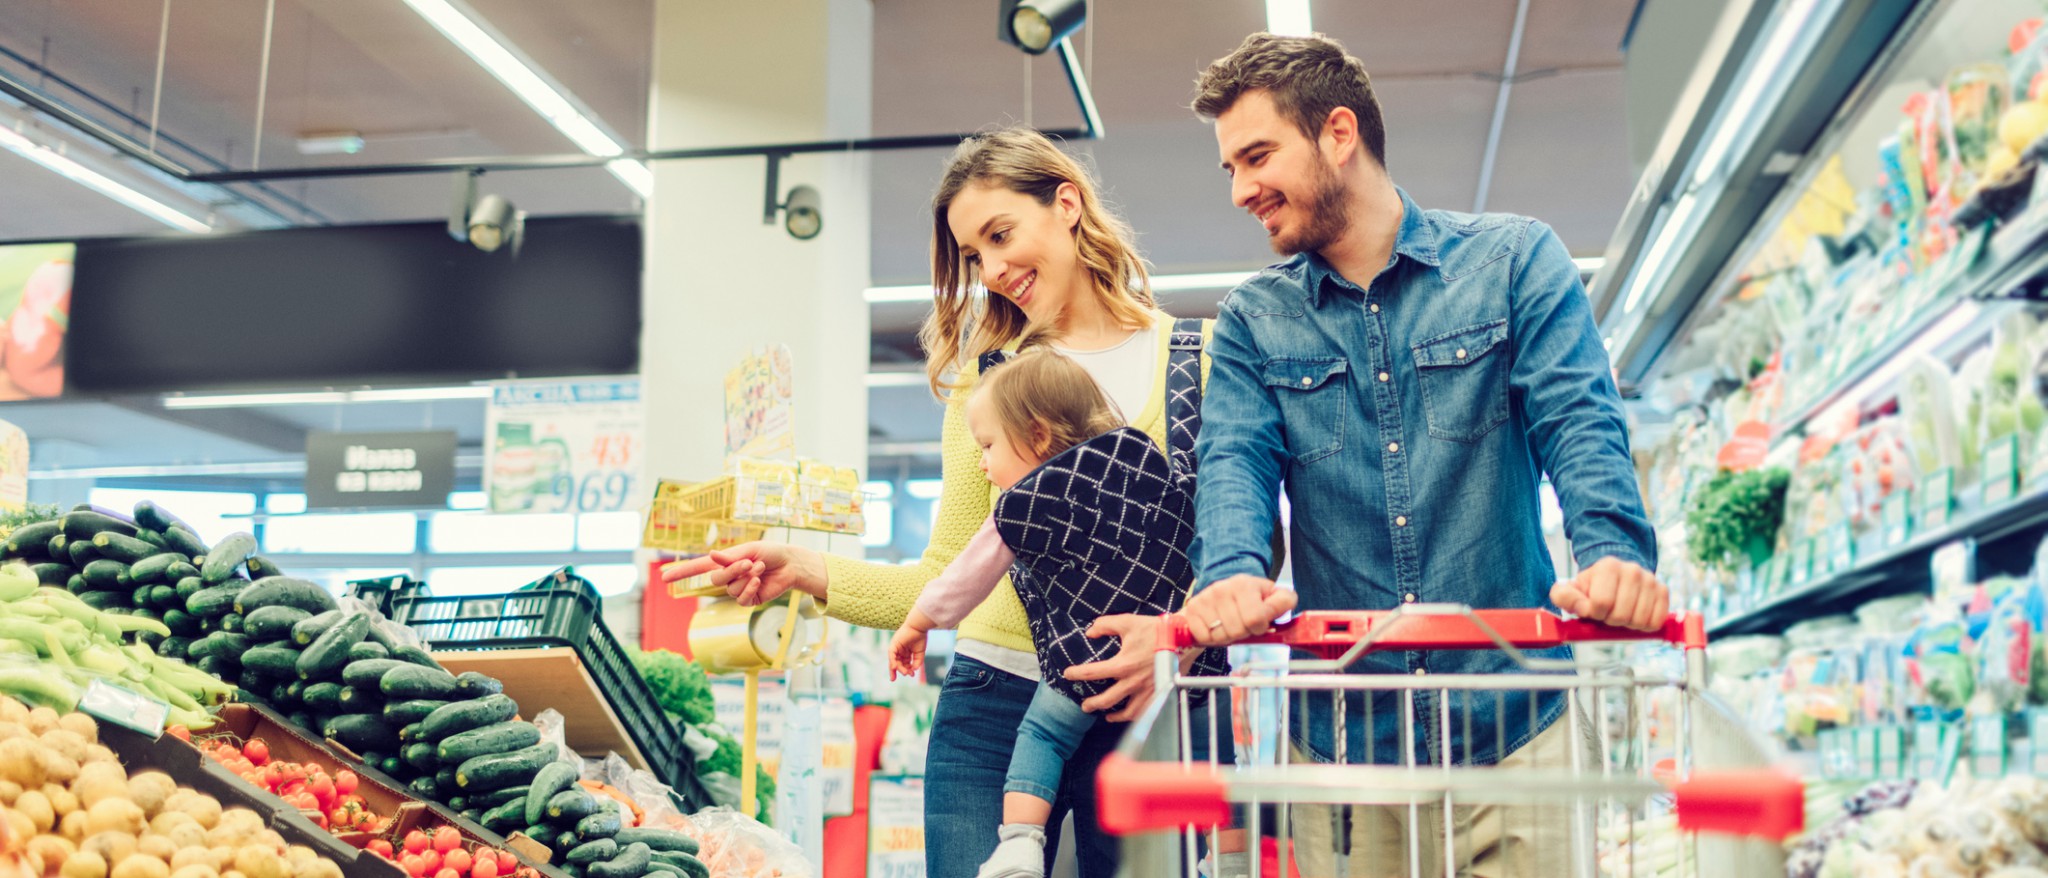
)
(1663, 779)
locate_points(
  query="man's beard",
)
(1329, 215)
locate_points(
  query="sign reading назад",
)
(353, 470)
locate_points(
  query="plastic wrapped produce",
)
(2005, 649)
(1926, 405)
(1745, 656)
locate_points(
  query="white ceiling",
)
(375, 67)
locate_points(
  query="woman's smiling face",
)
(1024, 251)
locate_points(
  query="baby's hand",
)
(906, 652)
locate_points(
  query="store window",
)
(608, 531)
(611, 579)
(464, 581)
(372, 533)
(456, 532)
(214, 513)
(284, 504)
(337, 579)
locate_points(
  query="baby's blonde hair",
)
(1046, 402)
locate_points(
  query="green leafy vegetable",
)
(1735, 517)
(679, 684)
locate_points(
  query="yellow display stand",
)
(729, 638)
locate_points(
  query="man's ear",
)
(1339, 138)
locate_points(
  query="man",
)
(1409, 375)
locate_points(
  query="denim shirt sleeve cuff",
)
(1227, 569)
(1590, 555)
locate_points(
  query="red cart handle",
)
(1761, 803)
(1331, 633)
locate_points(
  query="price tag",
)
(124, 707)
(1898, 517)
(1841, 549)
(896, 827)
(1987, 746)
(2001, 470)
(1937, 500)
(1802, 562)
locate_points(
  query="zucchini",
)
(504, 818)
(227, 555)
(366, 650)
(411, 681)
(471, 684)
(363, 732)
(408, 713)
(272, 659)
(125, 549)
(425, 788)
(179, 539)
(658, 839)
(218, 666)
(462, 716)
(81, 552)
(222, 643)
(52, 573)
(501, 737)
(213, 602)
(272, 623)
(327, 655)
(553, 778)
(107, 600)
(603, 823)
(368, 672)
(499, 796)
(505, 769)
(156, 518)
(571, 805)
(260, 567)
(631, 862)
(323, 697)
(597, 851)
(181, 623)
(174, 646)
(33, 539)
(83, 525)
(106, 573)
(356, 699)
(309, 629)
(275, 590)
(154, 567)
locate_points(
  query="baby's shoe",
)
(1020, 854)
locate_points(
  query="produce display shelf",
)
(555, 677)
(1885, 571)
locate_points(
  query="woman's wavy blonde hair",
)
(962, 327)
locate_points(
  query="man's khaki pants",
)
(1491, 841)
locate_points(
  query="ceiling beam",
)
(241, 425)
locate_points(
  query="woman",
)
(1018, 216)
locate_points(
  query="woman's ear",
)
(1067, 201)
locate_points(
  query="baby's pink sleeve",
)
(969, 579)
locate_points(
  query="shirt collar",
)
(1416, 239)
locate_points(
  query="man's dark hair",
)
(1307, 77)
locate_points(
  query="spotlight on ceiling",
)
(1038, 25)
(800, 214)
(488, 223)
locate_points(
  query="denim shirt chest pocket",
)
(1311, 394)
(1464, 377)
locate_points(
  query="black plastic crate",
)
(560, 609)
(378, 592)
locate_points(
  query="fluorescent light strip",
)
(1590, 264)
(1161, 283)
(533, 88)
(1650, 271)
(20, 145)
(1288, 18)
(1739, 117)
(327, 397)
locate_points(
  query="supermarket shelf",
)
(1897, 570)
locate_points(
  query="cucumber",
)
(154, 567)
(188, 586)
(218, 666)
(294, 691)
(631, 862)
(329, 653)
(565, 839)
(601, 824)
(541, 833)
(227, 555)
(597, 851)
(425, 788)
(231, 622)
(406, 652)
(149, 536)
(323, 697)
(181, 570)
(180, 539)
(505, 769)
(77, 584)
(408, 713)
(309, 629)
(504, 817)
(411, 681)
(390, 765)
(500, 796)
(303, 720)
(571, 805)
(688, 866)
(213, 602)
(553, 778)
(458, 803)
(125, 549)
(260, 567)
(150, 639)
(181, 623)
(107, 600)
(366, 650)
(81, 552)
(356, 699)
(83, 525)
(368, 672)
(363, 732)
(52, 573)
(275, 590)
(164, 597)
(501, 737)
(272, 623)
(174, 646)
(281, 695)
(658, 839)
(446, 777)
(272, 659)
(106, 573)
(462, 716)
(659, 869)
(59, 548)
(33, 539)
(156, 518)
(410, 733)
(474, 685)
(251, 679)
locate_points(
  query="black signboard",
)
(354, 470)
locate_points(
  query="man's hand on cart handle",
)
(1233, 609)
(1131, 667)
(1616, 592)
(757, 572)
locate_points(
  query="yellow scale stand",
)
(728, 638)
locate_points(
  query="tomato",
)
(257, 751)
(447, 873)
(380, 847)
(321, 786)
(507, 863)
(413, 865)
(345, 782)
(486, 867)
(416, 841)
(432, 858)
(181, 733)
(458, 859)
(447, 839)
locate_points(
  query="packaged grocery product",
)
(1926, 405)
(2005, 649)
(1745, 656)
(1943, 678)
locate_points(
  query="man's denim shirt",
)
(1410, 423)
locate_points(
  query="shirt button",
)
(1394, 447)
(1460, 354)
(1421, 671)
(1410, 597)
(1307, 381)
(1383, 377)
(1400, 521)
(1375, 307)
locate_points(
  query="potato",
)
(299, 855)
(111, 846)
(9, 791)
(270, 839)
(99, 781)
(115, 815)
(37, 808)
(72, 826)
(223, 857)
(231, 873)
(41, 719)
(260, 862)
(59, 767)
(61, 798)
(69, 743)
(160, 847)
(52, 848)
(81, 725)
(188, 856)
(141, 866)
(85, 864)
(25, 762)
(162, 824)
(99, 753)
(195, 870)
(150, 789)
(12, 710)
(204, 809)
(19, 823)
(318, 869)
